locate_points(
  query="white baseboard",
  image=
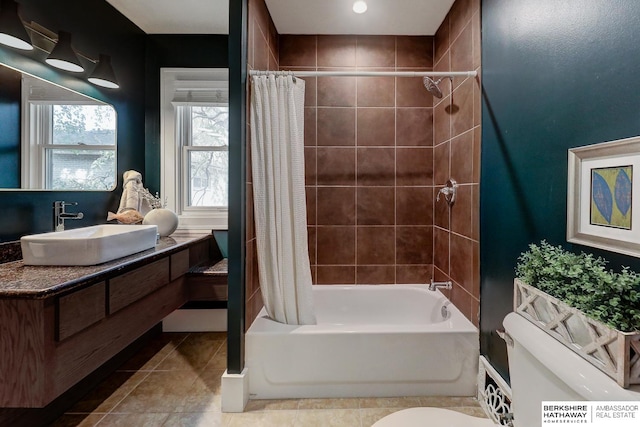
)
(192, 320)
(235, 391)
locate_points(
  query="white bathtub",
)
(370, 341)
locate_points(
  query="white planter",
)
(165, 219)
(615, 353)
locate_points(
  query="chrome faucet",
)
(59, 214)
(436, 285)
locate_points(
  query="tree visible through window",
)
(206, 151)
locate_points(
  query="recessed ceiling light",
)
(360, 6)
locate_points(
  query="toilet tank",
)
(543, 369)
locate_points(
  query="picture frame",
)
(603, 196)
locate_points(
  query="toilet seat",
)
(436, 417)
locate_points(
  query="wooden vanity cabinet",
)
(130, 287)
(48, 345)
(179, 264)
(80, 309)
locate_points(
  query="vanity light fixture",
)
(29, 35)
(360, 6)
(63, 56)
(12, 31)
(103, 75)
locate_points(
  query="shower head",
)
(432, 86)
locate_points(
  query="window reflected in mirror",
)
(82, 153)
(66, 141)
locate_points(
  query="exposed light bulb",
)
(360, 6)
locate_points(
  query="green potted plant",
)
(593, 311)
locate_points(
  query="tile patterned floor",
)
(175, 381)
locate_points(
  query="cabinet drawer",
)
(179, 264)
(80, 309)
(131, 286)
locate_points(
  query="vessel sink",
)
(87, 245)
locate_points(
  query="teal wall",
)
(173, 50)
(96, 28)
(555, 75)
(9, 128)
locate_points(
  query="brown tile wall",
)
(376, 152)
(369, 158)
(456, 154)
(262, 55)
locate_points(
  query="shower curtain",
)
(277, 150)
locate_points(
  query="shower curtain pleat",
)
(280, 214)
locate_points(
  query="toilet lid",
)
(436, 417)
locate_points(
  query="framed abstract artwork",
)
(603, 196)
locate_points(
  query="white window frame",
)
(37, 101)
(187, 86)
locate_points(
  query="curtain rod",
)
(366, 73)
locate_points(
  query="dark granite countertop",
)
(220, 268)
(36, 282)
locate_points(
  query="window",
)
(205, 155)
(195, 146)
(69, 141)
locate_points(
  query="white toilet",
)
(541, 369)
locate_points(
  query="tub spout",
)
(436, 285)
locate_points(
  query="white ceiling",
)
(394, 17)
(176, 16)
(397, 17)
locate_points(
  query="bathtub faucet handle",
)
(444, 190)
(449, 191)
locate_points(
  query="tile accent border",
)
(494, 394)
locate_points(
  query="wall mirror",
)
(53, 138)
